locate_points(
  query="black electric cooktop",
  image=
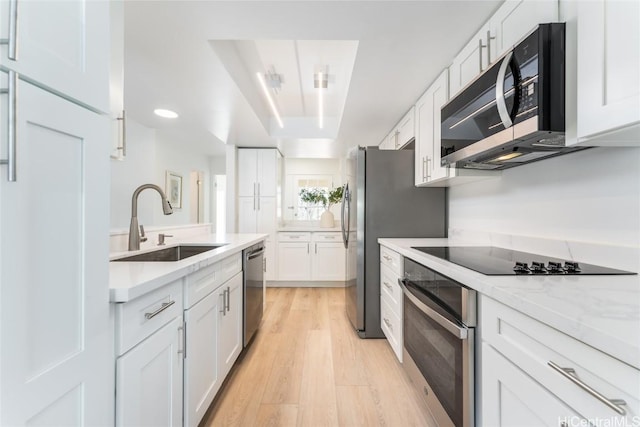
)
(504, 262)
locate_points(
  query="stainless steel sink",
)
(175, 253)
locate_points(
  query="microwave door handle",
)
(501, 103)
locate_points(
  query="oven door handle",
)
(458, 331)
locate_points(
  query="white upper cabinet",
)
(257, 172)
(401, 134)
(510, 23)
(608, 72)
(116, 81)
(61, 45)
(472, 60)
(427, 147)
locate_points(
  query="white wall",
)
(590, 196)
(149, 156)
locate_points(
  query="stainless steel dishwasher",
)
(253, 270)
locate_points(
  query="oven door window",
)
(440, 357)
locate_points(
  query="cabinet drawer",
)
(327, 237)
(139, 318)
(531, 345)
(202, 282)
(392, 327)
(391, 259)
(390, 290)
(294, 237)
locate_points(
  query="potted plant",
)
(315, 196)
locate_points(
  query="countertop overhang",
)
(601, 311)
(130, 280)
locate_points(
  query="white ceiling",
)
(199, 58)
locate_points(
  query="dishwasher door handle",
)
(255, 254)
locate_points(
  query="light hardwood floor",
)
(307, 367)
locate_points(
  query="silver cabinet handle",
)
(569, 373)
(308, 249)
(424, 169)
(501, 103)
(123, 147)
(427, 163)
(388, 258)
(12, 41)
(387, 285)
(224, 304)
(228, 304)
(489, 38)
(388, 323)
(181, 331)
(316, 248)
(10, 161)
(258, 193)
(480, 47)
(162, 308)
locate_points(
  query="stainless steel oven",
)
(439, 345)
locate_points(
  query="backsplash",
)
(583, 206)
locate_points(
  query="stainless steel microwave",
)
(514, 112)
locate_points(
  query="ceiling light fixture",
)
(167, 114)
(268, 95)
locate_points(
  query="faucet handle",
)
(161, 237)
(143, 237)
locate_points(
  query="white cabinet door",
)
(511, 398)
(230, 320)
(470, 62)
(328, 261)
(149, 380)
(406, 130)
(116, 81)
(266, 219)
(247, 214)
(201, 377)
(608, 72)
(294, 261)
(61, 45)
(267, 173)
(56, 359)
(515, 19)
(247, 173)
(428, 131)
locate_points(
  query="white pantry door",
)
(56, 360)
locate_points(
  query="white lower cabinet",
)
(214, 341)
(311, 256)
(230, 322)
(512, 398)
(530, 374)
(150, 347)
(391, 309)
(149, 380)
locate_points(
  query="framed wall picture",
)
(173, 189)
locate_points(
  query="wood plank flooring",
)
(307, 367)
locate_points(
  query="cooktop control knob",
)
(521, 268)
(538, 268)
(555, 267)
(572, 267)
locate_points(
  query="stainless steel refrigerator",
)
(381, 200)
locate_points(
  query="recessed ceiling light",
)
(167, 114)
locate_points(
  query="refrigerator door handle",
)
(345, 236)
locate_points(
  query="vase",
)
(326, 219)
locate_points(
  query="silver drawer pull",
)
(387, 285)
(388, 323)
(569, 373)
(162, 308)
(388, 258)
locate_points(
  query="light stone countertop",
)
(129, 280)
(601, 311)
